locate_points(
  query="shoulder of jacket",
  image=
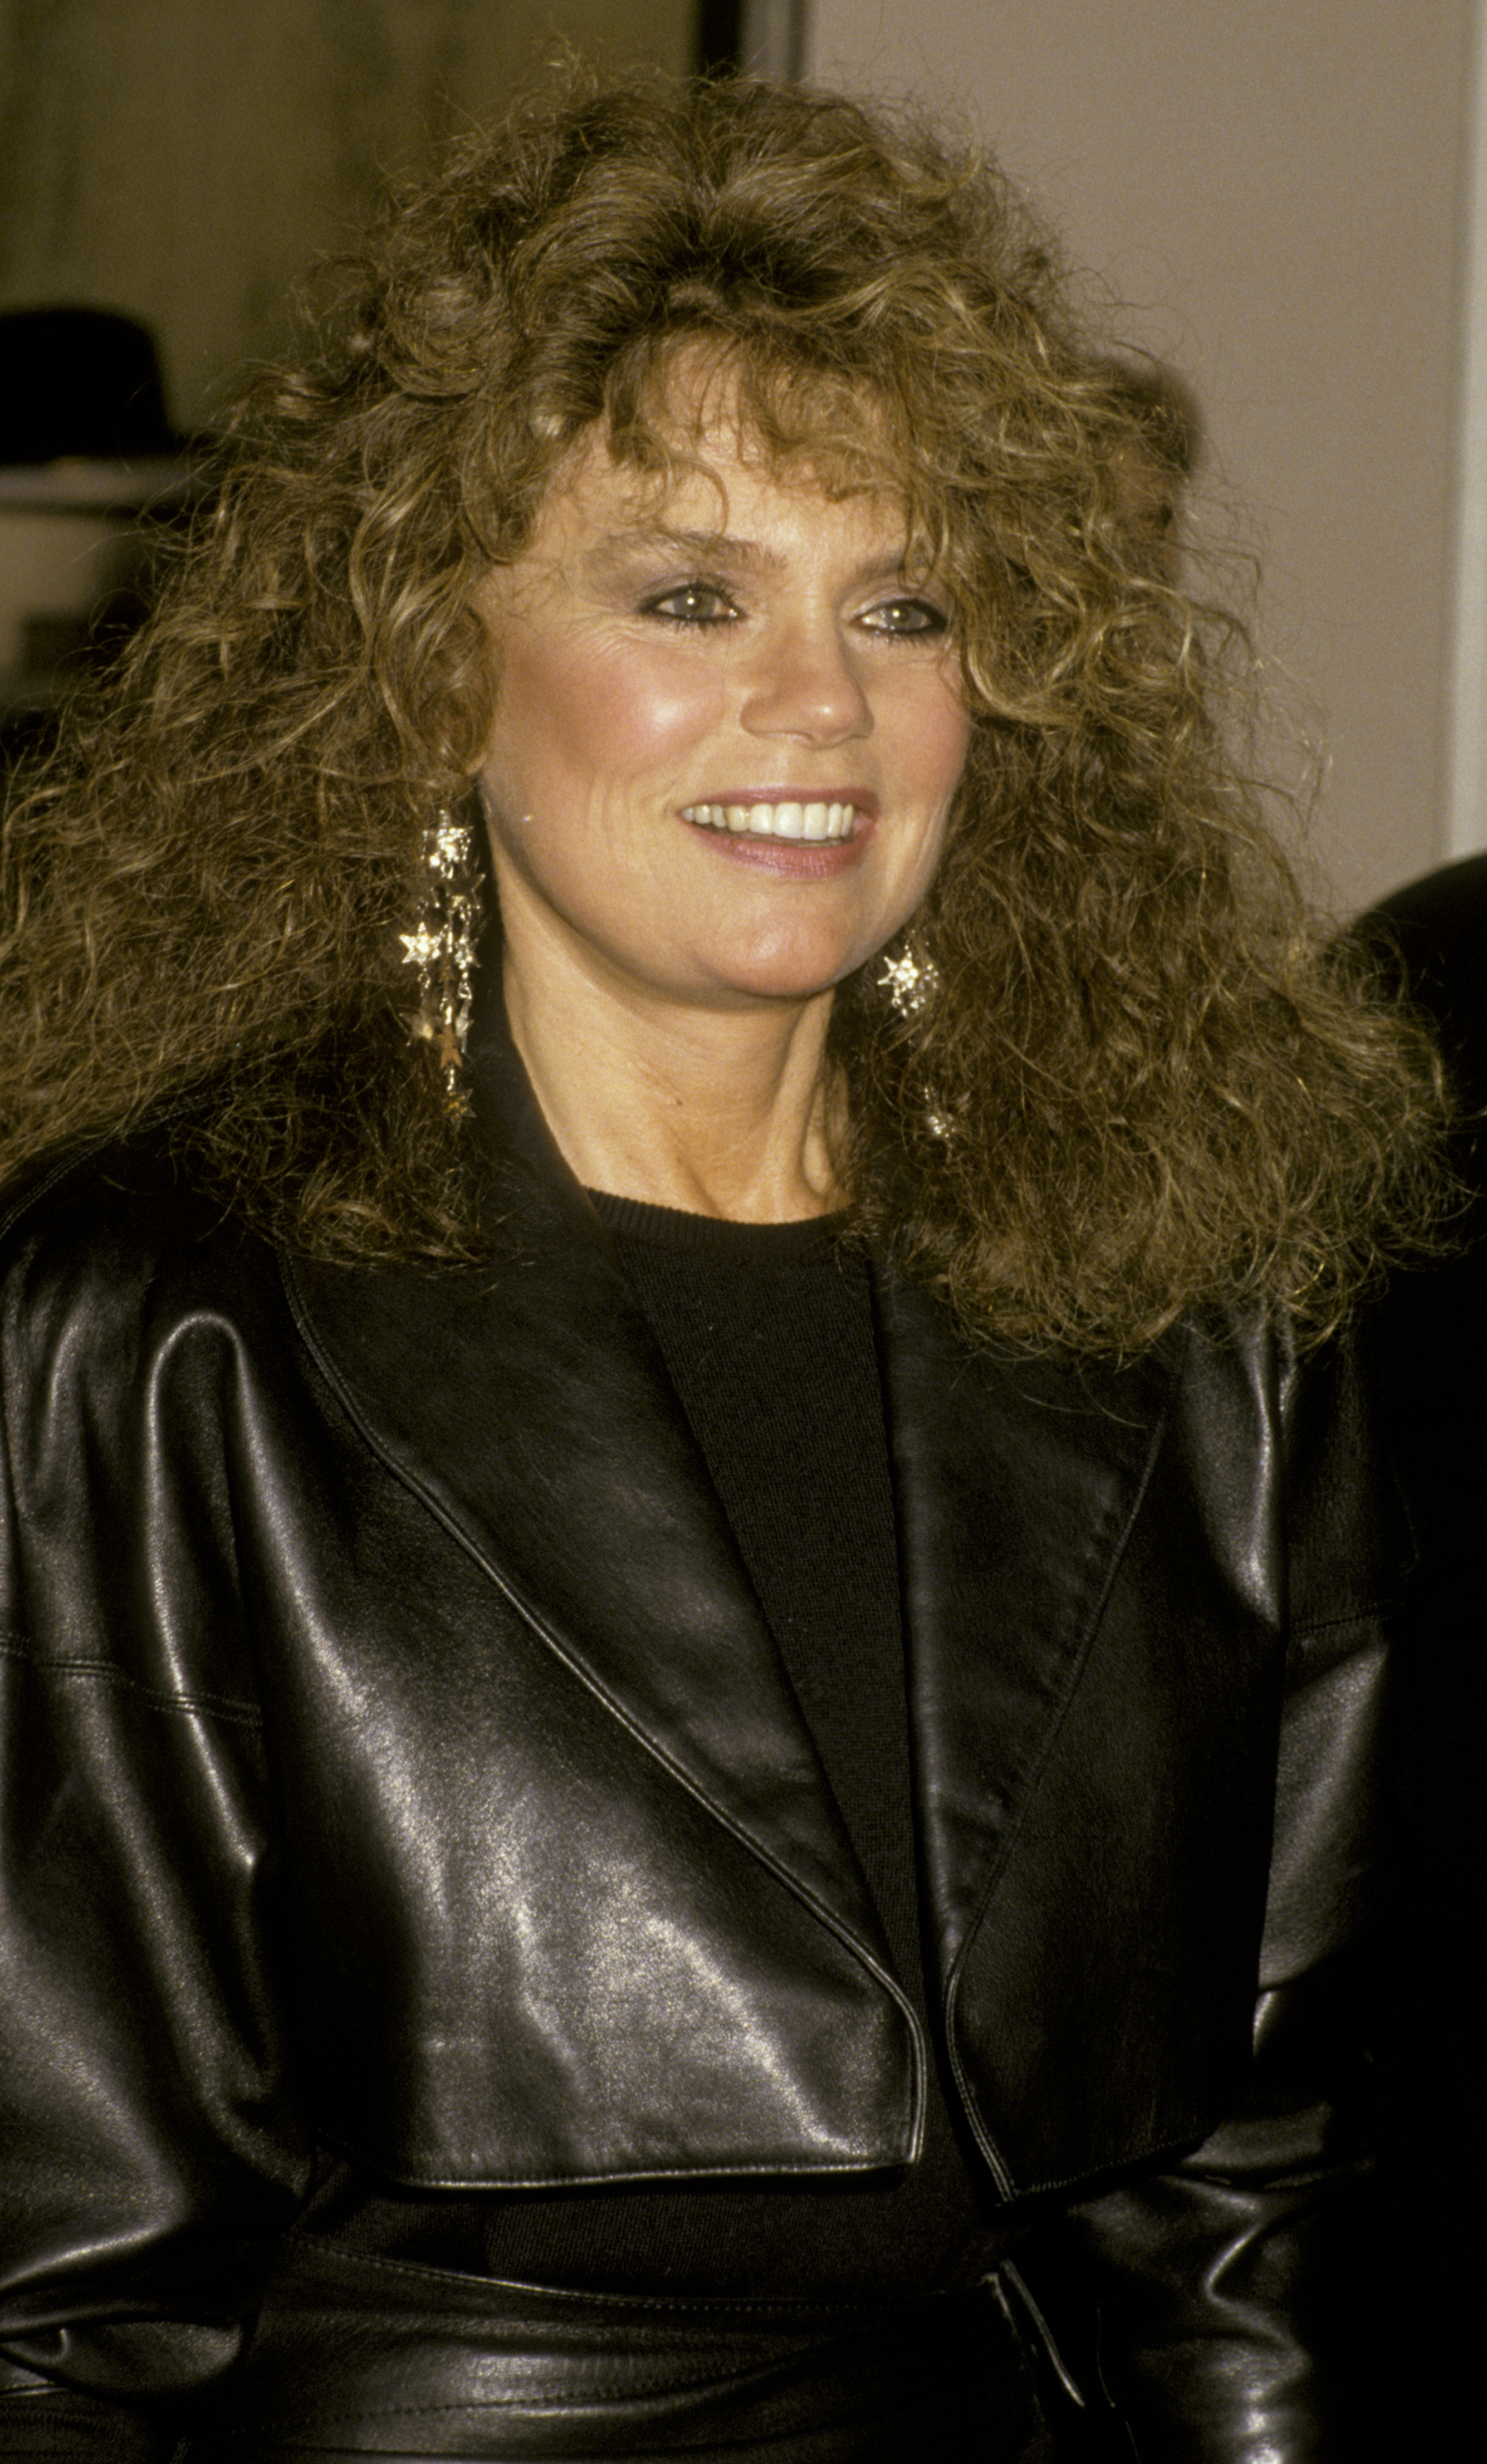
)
(140, 1330)
(1304, 1432)
(119, 1231)
(1231, 1394)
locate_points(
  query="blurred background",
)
(1284, 198)
(1281, 199)
(168, 169)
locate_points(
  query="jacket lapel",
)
(528, 1403)
(1095, 1702)
(1017, 1479)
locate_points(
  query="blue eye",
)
(905, 618)
(692, 603)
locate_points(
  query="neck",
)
(717, 1112)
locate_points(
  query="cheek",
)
(949, 734)
(933, 734)
(624, 716)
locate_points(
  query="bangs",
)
(672, 393)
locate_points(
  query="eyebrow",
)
(620, 549)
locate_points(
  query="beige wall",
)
(183, 160)
(1277, 188)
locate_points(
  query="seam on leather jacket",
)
(32, 1192)
(218, 1706)
(69, 1160)
(1156, 2155)
(787, 2305)
(770, 2170)
(1363, 1617)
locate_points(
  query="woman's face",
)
(727, 731)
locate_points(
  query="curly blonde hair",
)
(1133, 1087)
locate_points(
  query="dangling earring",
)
(442, 949)
(910, 981)
(911, 984)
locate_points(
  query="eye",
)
(692, 603)
(905, 619)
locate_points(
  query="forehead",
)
(704, 433)
(723, 486)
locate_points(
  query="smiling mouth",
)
(788, 820)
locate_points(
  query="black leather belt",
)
(359, 2356)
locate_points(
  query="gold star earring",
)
(909, 981)
(443, 948)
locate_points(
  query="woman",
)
(652, 1626)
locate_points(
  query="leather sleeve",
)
(1235, 2294)
(149, 2147)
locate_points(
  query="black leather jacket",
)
(396, 1758)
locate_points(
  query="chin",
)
(782, 984)
(792, 975)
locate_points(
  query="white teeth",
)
(788, 820)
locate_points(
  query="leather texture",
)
(356, 2355)
(397, 1762)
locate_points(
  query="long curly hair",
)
(1130, 1083)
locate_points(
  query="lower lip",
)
(795, 859)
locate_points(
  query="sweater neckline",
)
(635, 1218)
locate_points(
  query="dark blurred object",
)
(718, 36)
(92, 475)
(80, 383)
(1438, 927)
(1430, 1337)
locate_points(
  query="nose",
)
(804, 684)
